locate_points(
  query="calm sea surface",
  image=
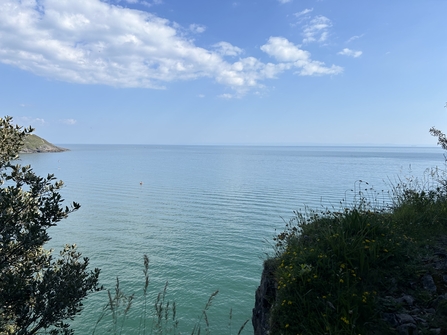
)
(205, 215)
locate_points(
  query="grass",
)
(159, 317)
(336, 269)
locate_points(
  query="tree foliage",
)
(442, 139)
(37, 291)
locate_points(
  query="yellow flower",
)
(341, 280)
(345, 320)
(287, 325)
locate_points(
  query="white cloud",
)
(317, 30)
(226, 49)
(141, 2)
(353, 38)
(69, 121)
(197, 28)
(27, 121)
(284, 1)
(351, 53)
(94, 42)
(304, 12)
(292, 56)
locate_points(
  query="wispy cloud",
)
(140, 2)
(317, 30)
(291, 56)
(284, 1)
(227, 96)
(226, 49)
(96, 42)
(31, 121)
(70, 122)
(350, 53)
(304, 12)
(197, 28)
(355, 37)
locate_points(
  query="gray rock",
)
(407, 329)
(428, 283)
(264, 298)
(390, 318)
(406, 299)
(405, 319)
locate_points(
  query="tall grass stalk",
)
(163, 319)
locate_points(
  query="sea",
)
(205, 216)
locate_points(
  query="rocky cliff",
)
(419, 306)
(264, 298)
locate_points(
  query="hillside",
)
(34, 143)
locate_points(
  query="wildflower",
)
(345, 320)
(287, 325)
(341, 280)
(342, 265)
(289, 302)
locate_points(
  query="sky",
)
(207, 72)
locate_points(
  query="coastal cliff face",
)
(418, 306)
(264, 299)
(34, 144)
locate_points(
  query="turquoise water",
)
(205, 215)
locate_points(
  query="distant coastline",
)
(36, 144)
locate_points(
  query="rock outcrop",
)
(265, 297)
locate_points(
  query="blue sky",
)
(276, 72)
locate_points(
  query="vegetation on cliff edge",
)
(340, 272)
